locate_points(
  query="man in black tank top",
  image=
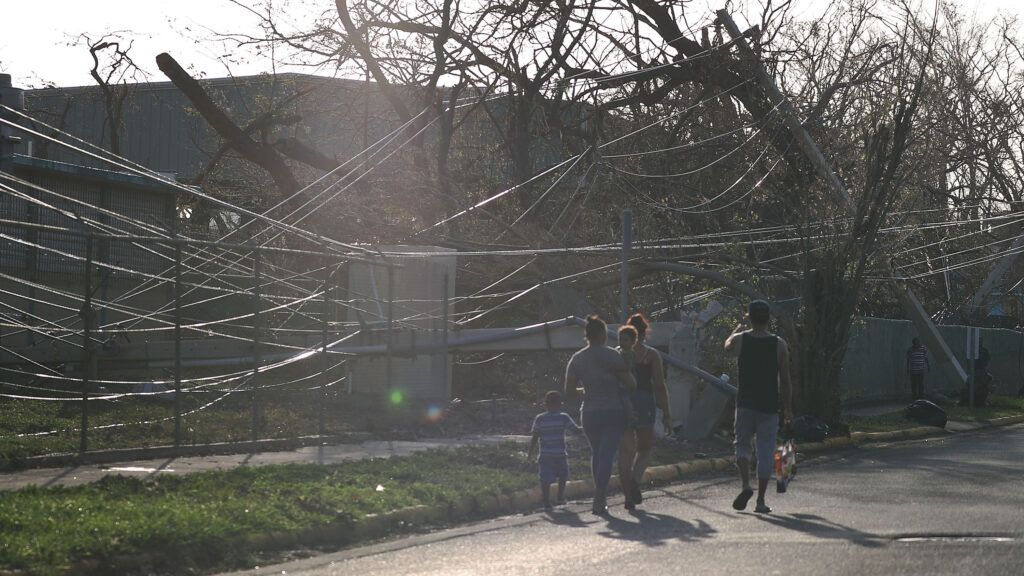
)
(763, 360)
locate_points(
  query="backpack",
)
(807, 429)
(925, 412)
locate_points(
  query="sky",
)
(38, 47)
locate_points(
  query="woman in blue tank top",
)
(638, 441)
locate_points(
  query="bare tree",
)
(113, 70)
(716, 156)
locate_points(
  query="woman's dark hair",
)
(596, 330)
(628, 329)
(640, 323)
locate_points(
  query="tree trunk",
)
(829, 304)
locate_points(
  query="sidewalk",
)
(85, 473)
(336, 453)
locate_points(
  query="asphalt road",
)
(950, 505)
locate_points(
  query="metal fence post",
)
(444, 337)
(324, 327)
(256, 352)
(391, 333)
(177, 342)
(86, 314)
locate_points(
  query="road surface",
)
(950, 505)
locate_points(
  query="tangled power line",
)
(238, 265)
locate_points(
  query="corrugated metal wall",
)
(339, 117)
(82, 196)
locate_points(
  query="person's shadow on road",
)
(656, 529)
(565, 517)
(819, 527)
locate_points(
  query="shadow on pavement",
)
(696, 503)
(989, 458)
(564, 517)
(163, 466)
(655, 529)
(63, 474)
(814, 525)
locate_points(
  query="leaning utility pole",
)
(994, 277)
(911, 305)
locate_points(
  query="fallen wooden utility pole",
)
(911, 305)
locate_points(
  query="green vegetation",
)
(137, 423)
(880, 423)
(134, 423)
(998, 407)
(209, 518)
(213, 520)
(215, 417)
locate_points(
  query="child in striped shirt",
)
(549, 433)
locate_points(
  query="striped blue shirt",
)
(550, 427)
(917, 359)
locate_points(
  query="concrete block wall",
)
(875, 363)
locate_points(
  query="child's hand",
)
(528, 462)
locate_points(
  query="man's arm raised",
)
(734, 342)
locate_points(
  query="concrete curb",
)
(1005, 420)
(374, 526)
(527, 500)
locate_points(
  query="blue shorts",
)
(552, 467)
(763, 426)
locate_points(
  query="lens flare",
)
(397, 397)
(434, 414)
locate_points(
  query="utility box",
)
(417, 303)
(696, 405)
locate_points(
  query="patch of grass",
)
(195, 519)
(208, 520)
(137, 422)
(999, 406)
(878, 423)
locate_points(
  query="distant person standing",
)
(763, 360)
(982, 378)
(984, 359)
(917, 367)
